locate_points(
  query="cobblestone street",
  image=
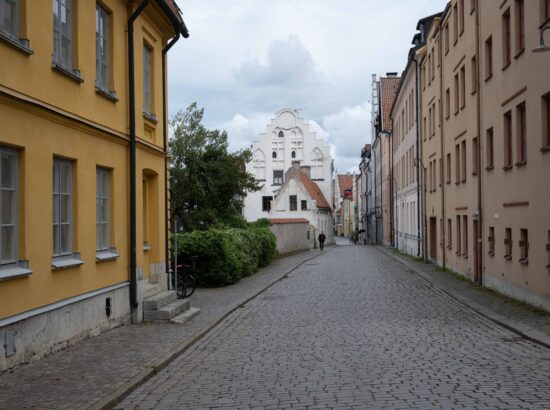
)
(353, 329)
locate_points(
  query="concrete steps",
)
(185, 316)
(164, 306)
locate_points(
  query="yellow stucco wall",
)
(45, 114)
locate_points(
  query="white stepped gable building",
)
(288, 138)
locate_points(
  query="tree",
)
(209, 183)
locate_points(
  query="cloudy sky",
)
(247, 59)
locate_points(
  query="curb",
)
(166, 358)
(511, 325)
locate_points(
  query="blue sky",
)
(246, 59)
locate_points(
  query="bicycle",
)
(186, 282)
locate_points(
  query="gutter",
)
(180, 28)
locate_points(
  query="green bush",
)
(225, 255)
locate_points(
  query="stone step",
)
(151, 289)
(167, 312)
(185, 316)
(159, 300)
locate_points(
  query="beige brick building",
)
(485, 105)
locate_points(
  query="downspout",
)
(165, 146)
(132, 102)
(418, 162)
(443, 159)
(479, 245)
(392, 204)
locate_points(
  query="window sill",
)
(21, 45)
(150, 117)
(65, 262)
(465, 256)
(458, 254)
(489, 168)
(106, 255)
(457, 183)
(505, 66)
(507, 167)
(524, 261)
(72, 74)
(545, 149)
(490, 253)
(520, 163)
(110, 95)
(488, 77)
(508, 257)
(519, 53)
(146, 246)
(14, 270)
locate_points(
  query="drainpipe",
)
(165, 146)
(418, 162)
(443, 159)
(478, 269)
(392, 203)
(132, 102)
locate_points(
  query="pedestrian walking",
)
(322, 238)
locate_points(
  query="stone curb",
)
(525, 331)
(166, 358)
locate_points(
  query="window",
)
(475, 156)
(9, 18)
(506, 36)
(473, 67)
(293, 199)
(449, 233)
(62, 33)
(455, 23)
(449, 168)
(521, 134)
(425, 129)
(281, 134)
(303, 205)
(508, 140)
(490, 149)
(446, 38)
(457, 95)
(462, 87)
(266, 203)
(524, 246)
(277, 177)
(508, 244)
(472, 6)
(447, 103)
(293, 154)
(102, 208)
(546, 10)
(274, 155)
(8, 206)
(62, 207)
(147, 103)
(520, 26)
(546, 120)
(102, 48)
(465, 236)
(458, 236)
(441, 172)
(491, 240)
(463, 165)
(457, 164)
(488, 58)
(548, 246)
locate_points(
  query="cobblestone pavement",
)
(353, 329)
(93, 370)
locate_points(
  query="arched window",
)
(281, 134)
(293, 154)
(259, 164)
(316, 164)
(274, 154)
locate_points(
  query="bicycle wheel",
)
(181, 289)
(190, 285)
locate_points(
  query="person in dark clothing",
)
(322, 238)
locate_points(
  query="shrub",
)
(225, 255)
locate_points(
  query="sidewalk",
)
(98, 372)
(524, 320)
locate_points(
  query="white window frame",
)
(103, 219)
(14, 189)
(57, 29)
(14, 33)
(102, 42)
(58, 165)
(147, 92)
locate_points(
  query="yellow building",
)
(73, 136)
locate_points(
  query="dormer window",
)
(274, 155)
(281, 134)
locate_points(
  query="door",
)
(433, 238)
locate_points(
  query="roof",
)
(314, 191)
(174, 13)
(345, 182)
(388, 88)
(289, 221)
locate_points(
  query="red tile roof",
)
(289, 221)
(345, 182)
(388, 88)
(314, 191)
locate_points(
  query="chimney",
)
(306, 169)
(391, 74)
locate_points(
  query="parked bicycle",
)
(186, 282)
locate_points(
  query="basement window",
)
(508, 244)
(524, 247)
(491, 240)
